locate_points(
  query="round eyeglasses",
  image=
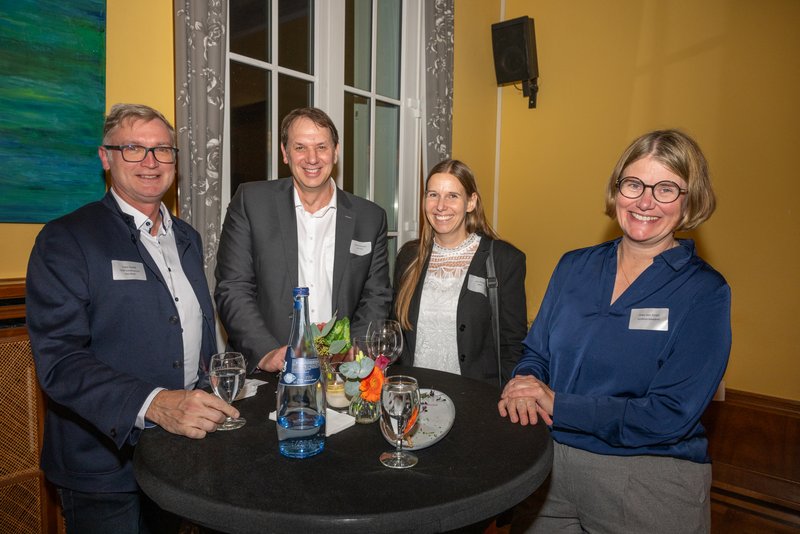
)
(137, 153)
(664, 192)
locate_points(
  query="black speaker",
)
(514, 47)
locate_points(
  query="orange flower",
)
(412, 420)
(371, 386)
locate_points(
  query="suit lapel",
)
(345, 224)
(287, 219)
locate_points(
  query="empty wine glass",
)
(386, 338)
(399, 410)
(226, 373)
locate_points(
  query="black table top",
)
(238, 482)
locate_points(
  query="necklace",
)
(622, 268)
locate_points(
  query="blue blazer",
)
(102, 345)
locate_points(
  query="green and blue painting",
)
(52, 100)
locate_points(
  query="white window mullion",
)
(329, 20)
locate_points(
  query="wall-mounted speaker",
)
(514, 48)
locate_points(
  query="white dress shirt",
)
(316, 240)
(164, 251)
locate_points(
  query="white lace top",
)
(437, 346)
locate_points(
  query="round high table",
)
(238, 482)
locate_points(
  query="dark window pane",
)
(295, 35)
(249, 28)
(387, 64)
(355, 145)
(250, 122)
(292, 93)
(358, 44)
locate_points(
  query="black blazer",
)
(476, 345)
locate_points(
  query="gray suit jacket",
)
(257, 266)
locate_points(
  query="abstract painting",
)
(52, 100)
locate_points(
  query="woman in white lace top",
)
(441, 294)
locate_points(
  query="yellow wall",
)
(726, 71)
(139, 68)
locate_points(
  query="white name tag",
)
(649, 319)
(128, 270)
(476, 284)
(360, 248)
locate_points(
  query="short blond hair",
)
(121, 113)
(680, 154)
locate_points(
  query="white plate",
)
(437, 413)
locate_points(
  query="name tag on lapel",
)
(360, 248)
(128, 270)
(649, 319)
(476, 284)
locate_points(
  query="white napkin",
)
(251, 385)
(334, 421)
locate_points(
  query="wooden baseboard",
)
(754, 443)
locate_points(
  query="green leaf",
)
(351, 388)
(328, 326)
(339, 346)
(365, 367)
(349, 369)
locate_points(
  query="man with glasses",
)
(121, 324)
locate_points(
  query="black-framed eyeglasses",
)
(137, 153)
(664, 192)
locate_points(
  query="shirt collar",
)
(677, 257)
(322, 211)
(142, 221)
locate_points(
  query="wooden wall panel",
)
(754, 442)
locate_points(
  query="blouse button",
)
(462, 327)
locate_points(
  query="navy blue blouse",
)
(632, 377)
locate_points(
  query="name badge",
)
(649, 319)
(360, 248)
(476, 284)
(128, 270)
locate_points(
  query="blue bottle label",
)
(299, 371)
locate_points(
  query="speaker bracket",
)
(530, 88)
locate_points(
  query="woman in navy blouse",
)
(628, 348)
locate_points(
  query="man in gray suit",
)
(302, 231)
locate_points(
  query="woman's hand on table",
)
(525, 399)
(192, 413)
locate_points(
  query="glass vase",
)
(363, 410)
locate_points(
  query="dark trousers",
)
(114, 513)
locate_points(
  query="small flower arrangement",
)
(333, 337)
(365, 376)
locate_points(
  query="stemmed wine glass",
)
(226, 373)
(385, 337)
(399, 410)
